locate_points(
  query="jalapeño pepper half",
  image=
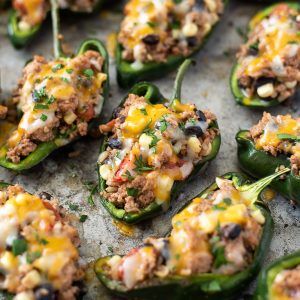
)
(259, 163)
(127, 75)
(153, 96)
(268, 275)
(20, 37)
(256, 101)
(46, 148)
(206, 285)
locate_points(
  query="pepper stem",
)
(179, 78)
(252, 191)
(57, 49)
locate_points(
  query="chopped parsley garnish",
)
(69, 71)
(110, 248)
(88, 72)
(241, 33)
(227, 201)
(254, 46)
(65, 79)
(154, 141)
(219, 254)
(43, 117)
(141, 166)
(32, 256)
(181, 126)
(144, 111)
(38, 95)
(57, 67)
(128, 175)
(83, 218)
(151, 24)
(218, 207)
(118, 154)
(41, 106)
(19, 246)
(175, 25)
(132, 192)
(285, 136)
(163, 125)
(74, 207)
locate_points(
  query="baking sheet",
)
(206, 84)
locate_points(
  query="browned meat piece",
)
(23, 149)
(3, 112)
(257, 130)
(120, 197)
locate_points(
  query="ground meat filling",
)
(38, 255)
(149, 147)
(33, 12)
(269, 63)
(3, 112)
(280, 134)
(58, 99)
(287, 285)
(218, 234)
(153, 30)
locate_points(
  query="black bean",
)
(231, 231)
(193, 130)
(262, 81)
(201, 115)
(151, 39)
(192, 41)
(116, 112)
(114, 143)
(45, 196)
(82, 290)
(44, 292)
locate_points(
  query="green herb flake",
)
(163, 125)
(64, 79)
(219, 254)
(32, 256)
(110, 249)
(43, 117)
(74, 207)
(227, 201)
(152, 24)
(19, 246)
(57, 67)
(285, 136)
(175, 25)
(144, 111)
(83, 218)
(40, 106)
(132, 192)
(254, 46)
(141, 166)
(88, 72)
(38, 95)
(241, 33)
(218, 207)
(69, 71)
(128, 175)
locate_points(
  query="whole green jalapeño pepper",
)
(255, 101)
(268, 274)
(20, 37)
(127, 75)
(46, 148)
(206, 285)
(259, 163)
(153, 96)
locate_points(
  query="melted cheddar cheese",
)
(167, 23)
(151, 145)
(280, 290)
(54, 82)
(278, 39)
(33, 235)
(281, 134)
(197, 231)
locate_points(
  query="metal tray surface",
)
(206, 85)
